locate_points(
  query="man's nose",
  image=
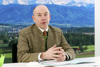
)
(43, 17)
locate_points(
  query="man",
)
(33, 46)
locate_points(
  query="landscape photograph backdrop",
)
(74, 17)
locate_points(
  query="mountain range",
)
(63, 14)
(57, 2)
(60, 15)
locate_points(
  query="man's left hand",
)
(62, 56)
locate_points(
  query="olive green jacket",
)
(31, 42)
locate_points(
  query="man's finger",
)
(57, 48)
(62, 50)
(61, 58)
(57, 56)
(54, 58)
(54, 46)
(57, 52)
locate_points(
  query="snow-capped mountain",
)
(58, 2)
(73, 3)
(61, 16)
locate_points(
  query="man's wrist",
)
(39, 58)
(67, 57)
(42, 55)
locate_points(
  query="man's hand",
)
(55, 53)
(62, 56)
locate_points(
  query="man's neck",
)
(46, 29)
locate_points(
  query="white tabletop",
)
(95, 59)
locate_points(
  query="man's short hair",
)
(36, 6)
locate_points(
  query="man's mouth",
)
(43, 22)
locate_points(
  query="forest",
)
(76, 39)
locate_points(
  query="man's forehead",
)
(41, 8)
(41, 13)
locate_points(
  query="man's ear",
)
(33, 18)
(49, 16)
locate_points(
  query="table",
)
(95, 59)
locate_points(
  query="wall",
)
(97, 27)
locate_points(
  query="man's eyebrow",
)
(46, 12)
(38, 13)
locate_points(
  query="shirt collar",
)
(42, 29)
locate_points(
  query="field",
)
(3, 45)
(90, 52)
(90, 48)
(87, 53)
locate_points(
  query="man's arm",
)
(67, 48)
(23, 53)
(65, 52)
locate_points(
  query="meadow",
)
(87, 53)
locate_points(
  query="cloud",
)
(61, 1)
(5, 2)
(23, 2)
(85, 1)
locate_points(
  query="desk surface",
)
(96, 64)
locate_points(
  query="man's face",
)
(41, 17)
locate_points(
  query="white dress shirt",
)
(40, 53)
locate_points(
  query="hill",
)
(61, 16)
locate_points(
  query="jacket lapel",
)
(40, 40)
(50, 40)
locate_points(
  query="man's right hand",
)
(52, 53)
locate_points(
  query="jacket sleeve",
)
(67, 48)
(23, 51)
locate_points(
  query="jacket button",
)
(43, 39)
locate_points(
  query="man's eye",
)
(45, 14)
(39, 15)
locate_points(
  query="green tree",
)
(1, 51)
(81, 47)
(12, 42)
(4, 38)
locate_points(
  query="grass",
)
(8, 55)
(8, 58)
(87, 53)
(90, 48)
(82, 56)
(4, 45)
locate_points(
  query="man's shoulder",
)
(27, 29)
(55, 29)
